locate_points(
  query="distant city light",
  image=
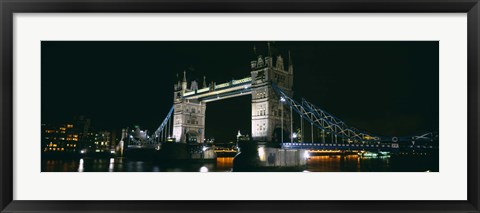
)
(295, 135)
(282, 99)
(204, 148)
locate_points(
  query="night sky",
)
(387, 88)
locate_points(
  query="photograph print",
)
(239, 106)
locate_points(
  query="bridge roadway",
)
(393, 147)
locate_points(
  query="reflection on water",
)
(354, 163)
(350, 163)
(333, 163)
(112, 163)
(225, 164)
(203, 169)
(80, 166)
(222, 164)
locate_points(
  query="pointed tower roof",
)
(269, 50)
(290, 62)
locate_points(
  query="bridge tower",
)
(189, 115)
(266, 106)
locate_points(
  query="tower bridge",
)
(270, 85)
(190, 102)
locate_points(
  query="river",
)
(331, 163)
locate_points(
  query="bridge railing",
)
(316, 120)
(219, 86)
(162, 126)
(241, 81)
(332, 125)
(189, 93)
(206, 89)
(352, 146)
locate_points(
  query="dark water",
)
(334, 163)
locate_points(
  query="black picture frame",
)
(9, 7)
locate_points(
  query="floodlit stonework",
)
(190, 104)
